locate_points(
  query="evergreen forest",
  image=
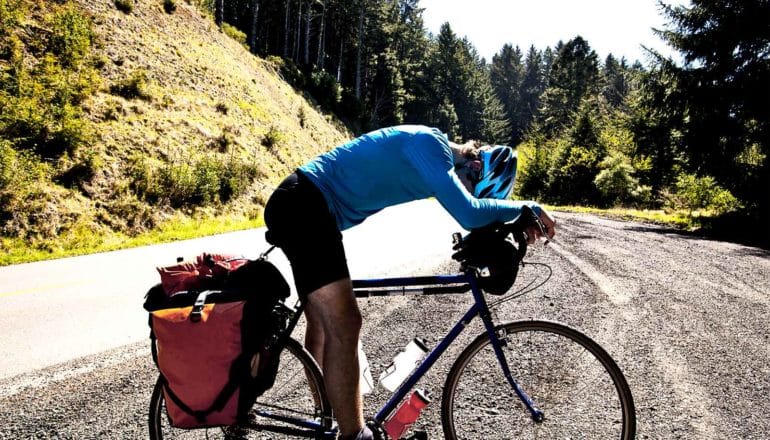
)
(686, 135)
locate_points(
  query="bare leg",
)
(314, 335)
(334, 307)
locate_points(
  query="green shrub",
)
(235, 179)
(325, 89)
(234, 33)
(207, 181)
(571, 177)
(288, 70)
(134, 86)
(71, 131)
(178, 184)
(693, 192)
(19, 169)
(169, 6)
(200, 181)
(143, 179)
(532, 174)
(616, 181)
(301, 116)
(49, 125)
(225, 140)
(272, 138)
(71, 36)
(100, 61)
(7, 163)
(23, 192)
(40, 108)
(126, 6)
(10, 15)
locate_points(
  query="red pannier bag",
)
(211, 320)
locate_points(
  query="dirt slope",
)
(204, 85)
(204, 96)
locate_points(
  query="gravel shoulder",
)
(684, 317)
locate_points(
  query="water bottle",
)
(406, 414)
(366, 382)
(403, 364)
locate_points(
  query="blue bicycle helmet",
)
(498, 172)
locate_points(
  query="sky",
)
(619, 27)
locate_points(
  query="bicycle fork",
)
(498, 341)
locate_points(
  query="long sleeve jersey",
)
(396, 165)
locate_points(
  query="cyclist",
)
(340, 189)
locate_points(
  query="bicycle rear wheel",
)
(580, 389)
(295, 407)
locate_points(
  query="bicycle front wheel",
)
(295, 407)
(571, 379)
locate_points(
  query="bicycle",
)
(554, 381)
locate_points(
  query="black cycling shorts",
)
(300, 223)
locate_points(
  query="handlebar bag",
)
(501, 259)
(211, 345)
(486, 248)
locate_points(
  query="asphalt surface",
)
(59, 310)
(684, 317)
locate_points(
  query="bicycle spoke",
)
(555, 367)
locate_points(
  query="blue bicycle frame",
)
(442, 284)
(430, 285)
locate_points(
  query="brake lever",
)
(543, 231)
(534, 219)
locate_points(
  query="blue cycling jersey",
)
(396, 165)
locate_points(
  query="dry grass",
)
(204, 94)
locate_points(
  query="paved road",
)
(685, 318)
(55, 311)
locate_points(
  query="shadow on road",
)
(743, 235)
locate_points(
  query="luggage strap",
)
(197, 309)
(219, 403)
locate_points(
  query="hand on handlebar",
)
(526, 229)
(545, 228)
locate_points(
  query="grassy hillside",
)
(156, 121)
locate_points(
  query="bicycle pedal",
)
(379, 434)
(417, 435)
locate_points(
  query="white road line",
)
(602, 281)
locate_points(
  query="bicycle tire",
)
(298, 392)
(578, 386)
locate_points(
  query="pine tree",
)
(722, 92)
(496, 126)
(614, 81)
(574, 75)
(506, 74)
(532, 87)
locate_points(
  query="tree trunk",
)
(308, 22)
(295, 52)
(254, 17)
(219, 12)
(360, 46)
(286, 31)
(339, 64)
(321, 37)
